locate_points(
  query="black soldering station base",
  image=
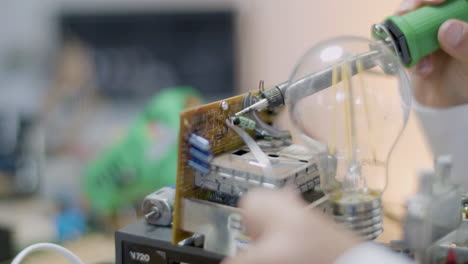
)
(140, 243)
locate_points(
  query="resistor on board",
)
(244, 122)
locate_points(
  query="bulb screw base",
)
(363, 216)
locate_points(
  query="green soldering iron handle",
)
(419, 28)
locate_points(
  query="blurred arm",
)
(446, 131)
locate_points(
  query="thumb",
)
(453, 38)
(263, 209)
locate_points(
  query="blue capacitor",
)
(199, 166)
(201, 155)
(199, 142)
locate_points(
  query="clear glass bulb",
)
(356, 120)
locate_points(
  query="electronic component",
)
(158, 206)
(455, 243)
(206, 124)
(197, 240)
(244, 122)
(141, 242)
(262, 128)
(223, 198)
(200, 153)
(235, 172)
(219, 224)
(199, 142)
(433, 212)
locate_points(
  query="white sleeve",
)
(371, 253)
(446, 131)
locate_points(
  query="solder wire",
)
(366, 111)
(353, 175)
(348, 111)
(335, 106)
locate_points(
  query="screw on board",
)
(224, 105)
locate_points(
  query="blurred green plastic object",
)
(145, 160)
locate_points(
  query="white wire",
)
(47, 247)
(257, 152)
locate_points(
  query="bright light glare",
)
(340, 96)
(331, 53)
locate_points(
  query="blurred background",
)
(91, 89)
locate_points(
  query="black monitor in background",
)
(137, 54)
(6, 244)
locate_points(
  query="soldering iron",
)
(411, 37)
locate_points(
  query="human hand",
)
(284, 231)
(441, 79)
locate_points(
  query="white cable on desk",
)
(48, 247)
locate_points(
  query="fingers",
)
(263, 213)
(261, 204)
(453, 38)
(271, 251)
(286, 232)
(425, 66)
(409, 5)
